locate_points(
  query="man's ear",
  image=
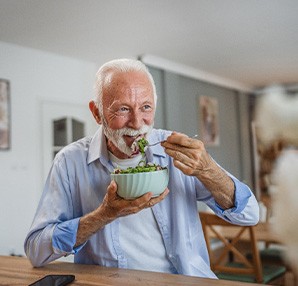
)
(94, 110)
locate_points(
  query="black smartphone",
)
(54, 280)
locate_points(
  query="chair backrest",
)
(213, 227)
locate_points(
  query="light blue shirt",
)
(77, 184)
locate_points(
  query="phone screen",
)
(54, 280)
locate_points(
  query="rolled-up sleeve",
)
(64, 237)
(53, 231)
(245, 210)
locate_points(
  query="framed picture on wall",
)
(208, 110)
(4, 115)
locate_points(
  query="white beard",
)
(116, 136)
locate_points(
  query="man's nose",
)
(136, 121)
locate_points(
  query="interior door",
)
(55, 110)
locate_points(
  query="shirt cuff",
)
(242, 195)
(64, 237)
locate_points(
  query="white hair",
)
(120, 65)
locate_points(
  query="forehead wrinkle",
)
(116, 82)
(132, 99)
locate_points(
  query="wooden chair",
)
(240, 269)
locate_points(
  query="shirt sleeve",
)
(245, 210)
(64, 237)
(54, 228)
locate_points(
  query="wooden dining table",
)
(18, 271)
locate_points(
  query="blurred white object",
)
(277, 116)
(285, 206)
(263, 212)
(277, 119)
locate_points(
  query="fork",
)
(158, 142)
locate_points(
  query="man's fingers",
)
(112, 190)
(181, 142)
(112, 186)
(140, 202)
(180, 139)
(176, 138)
(125, 207)
(158, 199)
(177, 155)
(186, 169)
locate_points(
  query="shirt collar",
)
(98, 146)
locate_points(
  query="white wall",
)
(34, 77)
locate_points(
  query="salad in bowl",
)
(134, 182)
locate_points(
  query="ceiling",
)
(253, 42)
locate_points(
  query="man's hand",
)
(111, 208)
(114, 206)
(190, 156)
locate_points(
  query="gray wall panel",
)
(178, 110)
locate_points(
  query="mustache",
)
(116, 136)
(132, 132)
(125, 130)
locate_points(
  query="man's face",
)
(128, 110)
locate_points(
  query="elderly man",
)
(80, 212)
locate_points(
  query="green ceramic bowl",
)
(131, 186)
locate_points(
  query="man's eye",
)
(123, 109)
(147, 107)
